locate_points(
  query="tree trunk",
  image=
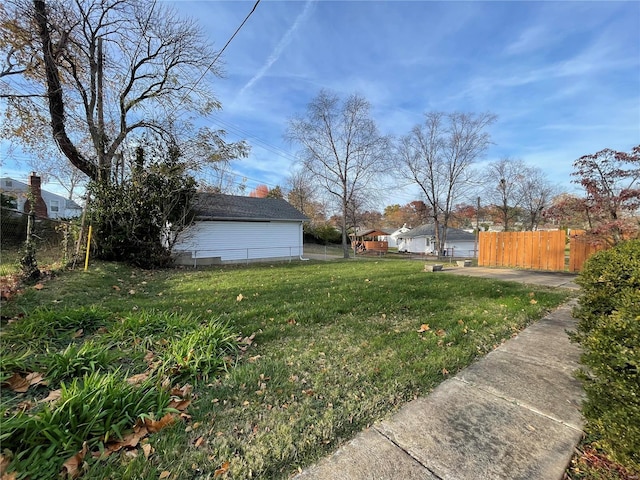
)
(54, 94)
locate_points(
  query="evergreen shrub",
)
(609, 332)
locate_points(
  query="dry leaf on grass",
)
(4, 464)
(72, 468)
(147, 449)
(53, 396)
(38, 286)
(222, 470)
(138, 378)
(156, 425)
(423, 328)
(165, 474)
(179, 404)
(239, 298)
(116, 288)
(20, 384)
(199, 441)
(78, 333)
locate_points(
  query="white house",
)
(229, 228)
(422, 240)
(392, 239)
(53, 205)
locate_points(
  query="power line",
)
(219, 53)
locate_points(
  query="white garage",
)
(232, 229)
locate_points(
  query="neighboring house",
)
(392, 239)
(422, 240)
(48, 205)
(230, 228)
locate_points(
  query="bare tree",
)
(106, 70)
(341, 149)
(518, 192)
(437, 155)
(502, 188)
(302, 192)
(537, 193)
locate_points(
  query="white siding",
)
(238, 241)
(413, 244)
(422, 245)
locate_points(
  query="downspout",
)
(302, 244)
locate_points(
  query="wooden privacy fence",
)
(581, 247)
(535, 250)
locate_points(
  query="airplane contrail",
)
(282, 44)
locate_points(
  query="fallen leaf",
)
(239, 298)
(17, 383)
(132, 292)
(423, 328)
(533, 301)
(222, 470)
(72, 467)
(116, 288)
(131, 440)
(440, 332)
(199, 441)
(138, 378)
(179, 405)
(445, 371)
(4, 463)
(78, 333)
(147, 449)
(165, 474)
(291, 321)
(156, 425)
(25, 405)
(183, 391)
(38, 286)
(53, 396)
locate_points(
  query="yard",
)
(299, 358)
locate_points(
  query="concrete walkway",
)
(533, 277)
(514, 414)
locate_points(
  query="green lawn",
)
(337, 346)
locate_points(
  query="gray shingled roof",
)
(429, 230)
(216, 206)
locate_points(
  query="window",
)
(55, 205)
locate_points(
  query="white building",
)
(229, 228)
(392, 239)
(422, 240)
(56, 205)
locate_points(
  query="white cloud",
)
(282, 44)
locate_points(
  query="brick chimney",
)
(36, 193)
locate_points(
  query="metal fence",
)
(55, 241)
(203, 257)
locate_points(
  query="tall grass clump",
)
(92, 409)
(45, 325)
(200, 354)
(609, 332)
(77, 360)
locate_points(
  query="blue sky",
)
(562, 77)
